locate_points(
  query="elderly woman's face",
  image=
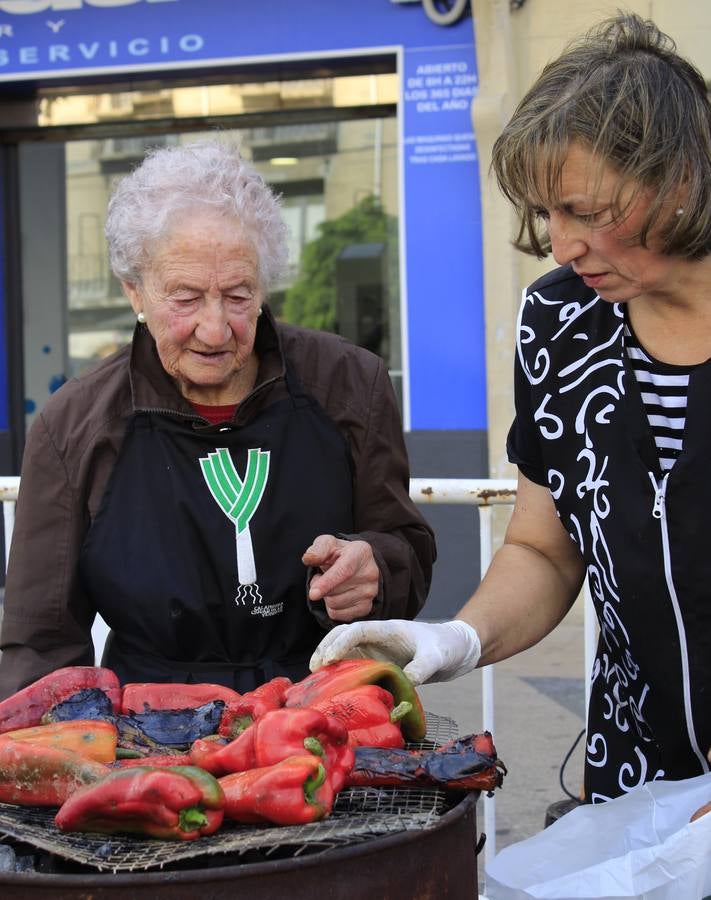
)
(201, 297)
(604, 250)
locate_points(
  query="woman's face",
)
(201, 296)
(602, 249)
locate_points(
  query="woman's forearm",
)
(522, 597)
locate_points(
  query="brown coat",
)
(73, 445)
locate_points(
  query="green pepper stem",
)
(128, 753)
(191, 818)
(400, 711)
(240, 724)
(313, 745)
(312, 784)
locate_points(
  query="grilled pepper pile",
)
(281, 752)
(182, 803)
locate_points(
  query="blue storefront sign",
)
(44, 40)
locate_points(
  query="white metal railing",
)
(9, 486)
(484, 493)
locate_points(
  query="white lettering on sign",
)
(98, 50)
(441, 68)
(24, 7)
(440, 87)
(429, 149)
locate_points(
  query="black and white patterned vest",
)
(581, 429)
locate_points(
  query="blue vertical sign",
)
(443, 245)
(4, 393)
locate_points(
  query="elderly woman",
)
(608, 162)
(226, 488)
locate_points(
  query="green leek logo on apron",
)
(238, 499)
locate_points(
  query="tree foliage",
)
(313, 298)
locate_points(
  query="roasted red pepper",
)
(295, 791)
(276, 735)
(369, 714)
(93, 739)
(26, 707)
(351, 673)
(182, 803)
(469, 763)
(240, 713)
(38, 775)
(156, 760)
(139, 698)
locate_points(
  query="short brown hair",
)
(623, 92)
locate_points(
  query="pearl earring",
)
(259, 311)
(141, 317)
(680, 211)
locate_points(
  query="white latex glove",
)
(425, 651)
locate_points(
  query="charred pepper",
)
(26, 707)
(181, 803)
(351, 673)
(138, 698)
(468, 763)
(294, 791)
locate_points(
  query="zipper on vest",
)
(659, 512)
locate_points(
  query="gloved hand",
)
(425, 651)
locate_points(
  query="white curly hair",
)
(210, 174)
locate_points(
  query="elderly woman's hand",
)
(349, 578)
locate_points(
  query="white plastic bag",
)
(641, 845)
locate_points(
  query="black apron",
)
(194, 557)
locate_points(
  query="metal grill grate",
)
(360, 814)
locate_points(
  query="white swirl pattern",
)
(616, 676)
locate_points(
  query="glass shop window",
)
(337, 178)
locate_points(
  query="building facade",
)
(359, 115)
(374, 120)
(514, 40)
